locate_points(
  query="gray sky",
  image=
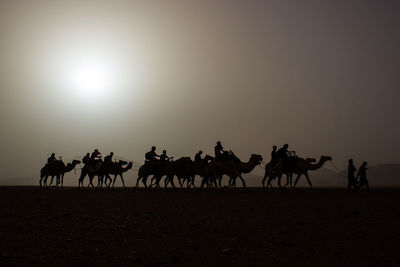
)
(121, 76)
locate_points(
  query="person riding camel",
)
(219, 152)
(164, 156)
(151, 155)
(197, 157)
(52, 159)
(108, 158)
(273, 154)
(86, 158)
(96, 155)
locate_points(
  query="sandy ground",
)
(320, 227)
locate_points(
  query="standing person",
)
(362, 175)
(351, 177)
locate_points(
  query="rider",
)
(95, 155)
(219, 151)
(283, 152)
(52, 159)
(197, 157)
(273, 154)
(108, 158)
(151, 155)
(86, 158)
(164, 156)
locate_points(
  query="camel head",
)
(122, 162)
(76, 161)
(326, 158)
(256, 158)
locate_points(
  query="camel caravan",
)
(210, 169)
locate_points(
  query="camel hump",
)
(94, 166)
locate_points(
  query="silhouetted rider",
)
(283, 152)
(86, 158)
(219, 151)
(108, 158)
(52, 159)
(151, 155)
(164, 156)
(197, 157)
(273, 154)
(95, 155)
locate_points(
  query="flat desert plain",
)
(244, 227)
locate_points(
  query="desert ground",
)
(245, 227)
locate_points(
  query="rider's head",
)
(53, 154)
(350, 161)
(219, 143)
(153, 148)
(111, 153)
(285, 146)
(200, 152)
(274, 147)
(88, 154)
(364, 164)
(164, 152)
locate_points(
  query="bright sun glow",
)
(92, 79)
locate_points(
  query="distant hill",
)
(378, 175)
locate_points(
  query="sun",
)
(91, 78)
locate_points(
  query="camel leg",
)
(263, 181)
(137, 181)
(115, 178)
(144, 181)
(297, 179)
(243, 182)
(51, 180)
(308, 180)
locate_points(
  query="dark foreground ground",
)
(152, 228)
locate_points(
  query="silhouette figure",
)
(164, 156)
(351, 178)
(108, 158)
(86, 158)
(219, 151)
(96, 155)
(151, 155)
(52, 158)
(362, 175)
(197, 157)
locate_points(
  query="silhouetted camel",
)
(155, 168)
(56, 169)
(117, 169)
(233, 168)
(91, 168)
(280, 168)
(300, 167)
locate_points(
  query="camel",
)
(301, 167)
(56, 169)
(156, 168)
(91, 169)
(233, 167)
(117, 169)
(273, 172)
(297, 166)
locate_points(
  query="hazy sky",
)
(121, 76)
